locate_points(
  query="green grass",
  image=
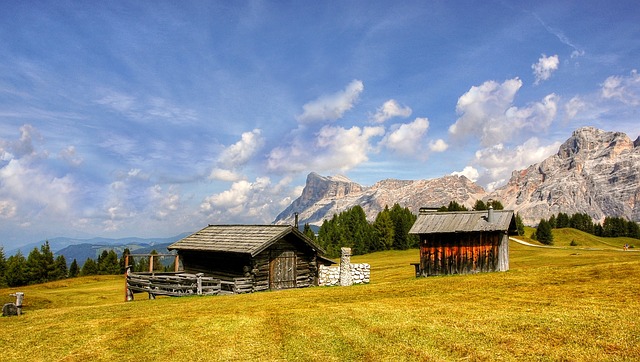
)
(554, 304)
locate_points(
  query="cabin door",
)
(282, 269)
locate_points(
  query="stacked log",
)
(330, 275)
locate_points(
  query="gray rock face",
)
(594, 172)
(323, 197)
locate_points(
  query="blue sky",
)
(151, 118)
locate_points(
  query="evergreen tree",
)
(90, 267)
(496, 204)
(308, 232)
(519, 224)
(403, 220)
(16, 272)
(543, 232)
(108, 263)
(552, 221)
(562, 221)
(123, 260)
(383, 231)
(480, 205)
(60, 271)
(633, 230)
(36, 272)
(453, 206)
(73, 269)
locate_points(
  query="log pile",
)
(330, 275)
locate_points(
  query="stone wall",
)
(330, 275)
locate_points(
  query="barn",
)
(259, 257)
(463, 242)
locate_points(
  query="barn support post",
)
(176, 268)
(345, 267)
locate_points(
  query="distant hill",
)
(81, 249)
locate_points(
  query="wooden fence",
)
(183, 284)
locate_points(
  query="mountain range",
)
(594, 172)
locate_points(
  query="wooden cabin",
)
(260, 257)
(463, 242)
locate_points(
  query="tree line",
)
(611, 227)
(40, 266)
(389, 230)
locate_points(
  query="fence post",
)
(177, 264)
(151, 263)
(199, 283)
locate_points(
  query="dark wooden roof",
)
(244, 239)
(463, 221)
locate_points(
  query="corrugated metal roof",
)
(245, 239)
(462, 221)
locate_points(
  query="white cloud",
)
(574, 106)
(390, 109)
(469, 172)
(497, 162)
(31, 186)
(623, 89)
(331, 107)
(163, 203)
(245, 201)
(438, 145)
(241, 152)
(544, 67)
(335, 148)
(70, 155)
(406, 138)
(7, 209)
(224, 175)
(487, 112)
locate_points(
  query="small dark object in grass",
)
(573, 243)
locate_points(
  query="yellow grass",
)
(554, 304)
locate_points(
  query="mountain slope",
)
(323, 197)
(594, 172)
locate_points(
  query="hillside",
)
(594, 172)
(554, 304)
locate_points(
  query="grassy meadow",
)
(563, 304)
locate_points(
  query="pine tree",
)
(480, 205)
(519, 224)
(496, 204)
(16, 272)
(543, 232)
(308, 232)
(73, 269)
(60, 268)
(383, 231)
(90, 267)
(562, 221)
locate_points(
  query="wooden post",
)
(177, 264)
(151, 263)
(126, 276)
(199, 283)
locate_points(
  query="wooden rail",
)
(170, 284)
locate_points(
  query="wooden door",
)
(282, 269)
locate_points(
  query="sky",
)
(153, 118)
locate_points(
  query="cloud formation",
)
(544, 67)
(331, 107)
(487, 112)
(623, 89)
(407, 138)
(390, 109)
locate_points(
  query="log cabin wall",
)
(262, 267)
(463, 253)
(266, 264)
